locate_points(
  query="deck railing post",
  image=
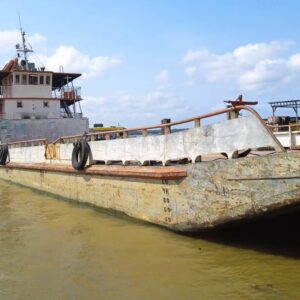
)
(291, 137)
(197, 123)
(125, 134)
(166, 129)
(233, 114)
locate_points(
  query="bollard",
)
(197, 123)
(234, 114)
(167, 129)
(145, 132)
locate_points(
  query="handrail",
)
(43, 141)
(33, 116)
(284, 126)
(150, 127)
(67, 92)
(5, 90)
(168, 125)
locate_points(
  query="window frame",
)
(24, 82)
(41, 80)
(48, 80)
(31, 77)
(17, 79)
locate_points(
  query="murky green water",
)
(54, 249)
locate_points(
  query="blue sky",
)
(146, 60)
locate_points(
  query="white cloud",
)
(265, 73)
(192, 56)
(294, 62)
(162, 79)
(251, 67)
(9, 38)
(73, 60)
(36, 38)
(132, 110)
(67, 56)
(190, 71)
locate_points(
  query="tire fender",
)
(80, 154)
(3, 154)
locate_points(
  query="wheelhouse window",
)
(33, 79)
(46, 104)
(24, 78)
(48, 79)
(19, 104)
(17, 79)
(41, 79)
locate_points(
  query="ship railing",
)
(232, 112)
(67, 93)
(28, 143)
(5, 91)
(24, 116)
(288, 135)
(292, 127)
(164, 129)
(20, 116)
(71, 115)
(10, 116)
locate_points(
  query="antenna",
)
(23, 49)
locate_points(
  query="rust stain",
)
(161, 173)
(52, 151)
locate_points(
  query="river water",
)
(55, 249)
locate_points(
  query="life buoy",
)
(80, 154)
(3, 154)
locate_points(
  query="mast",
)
(23, 50)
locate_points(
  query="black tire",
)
(244, 153)
(3, 154)
(80, 154)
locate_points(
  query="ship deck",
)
(161, 173)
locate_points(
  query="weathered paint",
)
(28, 129)
(227, 137)
(33, 154)
(213, 193)
(289, 139)
(165, 173)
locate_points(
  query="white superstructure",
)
(28, 92)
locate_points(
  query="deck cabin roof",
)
(60, 79)
(3, 74)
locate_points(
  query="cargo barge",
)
(190, 180)
(187, 180)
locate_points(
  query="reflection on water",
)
(277, 236)
(54, 249)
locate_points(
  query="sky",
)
(145, 60)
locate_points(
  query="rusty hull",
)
(166, 173)
(187, 198)
(229, 190)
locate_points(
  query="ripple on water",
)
(53, 249)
